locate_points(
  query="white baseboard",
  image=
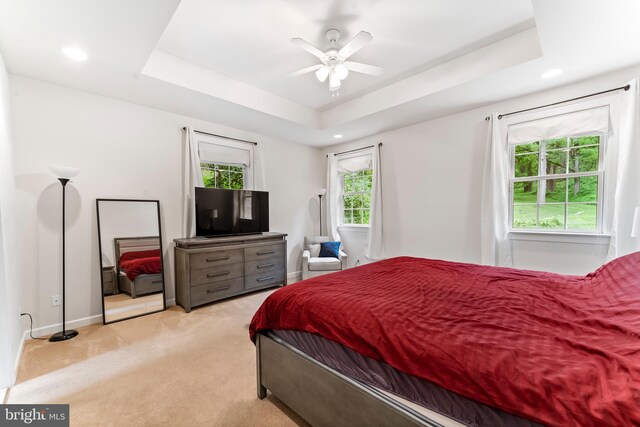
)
(71, 324)
(293, 277)
(16, 363)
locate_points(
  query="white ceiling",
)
(225, 61)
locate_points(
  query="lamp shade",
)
(323, 73)
(635, 230)
(63, 171)
(334, 81)
(321, 191)
(342, 71)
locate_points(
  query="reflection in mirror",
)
(130, 243)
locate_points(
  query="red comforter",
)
(559, 350)
(136, 263)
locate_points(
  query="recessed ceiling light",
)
(554, 72)
(74, 53)
(337, 136)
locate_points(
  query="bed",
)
(479, 345)
(139, 266)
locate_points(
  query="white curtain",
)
(626, 131)
(224, 153)
(332, 203)
(192, 177)
(494, 215)
(260, 182)
(595, 119)
(374, 248)
(353, 162)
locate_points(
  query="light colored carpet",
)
(121, 306)
(168, 368)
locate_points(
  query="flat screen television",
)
(222, 212)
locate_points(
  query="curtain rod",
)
(356, 149)
(222, 136)
(500, 116)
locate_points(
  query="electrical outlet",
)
(55, 300)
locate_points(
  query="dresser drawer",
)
(264, 252)
(214, 258)
(266, 265)
(217, 273)
(203, 294)
(263, 279)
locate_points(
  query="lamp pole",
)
(64, 335)
(320, 199)
(320, 192)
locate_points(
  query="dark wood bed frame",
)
(123, 245)
(323, 396)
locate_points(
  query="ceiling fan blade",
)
(309, 48)
(371, 70)
(358, 42)
(323, 73)
(305, 70)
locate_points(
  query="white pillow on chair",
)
(314, 250)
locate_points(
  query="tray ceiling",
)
(226, 61)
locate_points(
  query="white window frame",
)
(600, 173)
(341, 201)
(244, 171)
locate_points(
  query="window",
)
(557, 184)
(223, 176)
(226, 163)
(356, 197)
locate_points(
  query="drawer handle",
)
(265, 253)
(157, 281)
(264, 279)
(220, 288)
(218, 258)
(222, 273)
(266, 265)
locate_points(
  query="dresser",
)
(211, 269)
(109, 283)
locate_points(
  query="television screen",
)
(222, 212)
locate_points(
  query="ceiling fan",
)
(334, 64)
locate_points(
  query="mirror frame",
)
(164, 287)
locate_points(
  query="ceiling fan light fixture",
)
(341, 71)
(334, 81)
(322, 74)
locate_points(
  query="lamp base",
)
(59, 336)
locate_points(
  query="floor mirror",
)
(131, 262)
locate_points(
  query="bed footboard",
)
(323, 396)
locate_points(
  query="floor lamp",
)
(64, 175)
(320, 192)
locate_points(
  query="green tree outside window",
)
(222, 176)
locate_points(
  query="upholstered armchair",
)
(313, 265)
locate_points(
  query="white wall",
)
(432, 182)
(125, 219)
(11, 335)
(123, 150)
